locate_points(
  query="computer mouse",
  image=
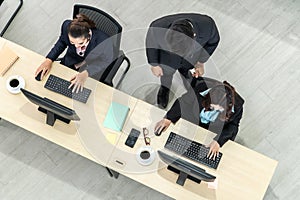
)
(38, 77)
(158, 133)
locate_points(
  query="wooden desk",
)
(242, 173)
(16, 108)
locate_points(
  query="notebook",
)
(116, 116)
(7, 59)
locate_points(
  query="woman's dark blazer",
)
(99, 52)
(189, 105)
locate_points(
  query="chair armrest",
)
(118, 71)
(11, 18)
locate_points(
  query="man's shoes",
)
(163, 97)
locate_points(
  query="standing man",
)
(179, 42)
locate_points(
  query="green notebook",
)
(116, 116)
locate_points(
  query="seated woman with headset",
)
(216, 107)
(89, 51)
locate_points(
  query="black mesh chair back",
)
(104, 22)
(113, 29)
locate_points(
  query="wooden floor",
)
(259, 54)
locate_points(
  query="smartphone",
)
(132, 137)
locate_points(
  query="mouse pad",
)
(116, 116)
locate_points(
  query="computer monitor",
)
(185, 169)
(53, 109)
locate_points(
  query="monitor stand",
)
(51, 117)
(182, 176)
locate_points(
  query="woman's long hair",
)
(80, 26)
(223, 95)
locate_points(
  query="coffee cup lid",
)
(15, 90)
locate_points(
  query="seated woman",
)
(212, 105)
(89, 51)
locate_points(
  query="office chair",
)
(12, 17)
(114, 73)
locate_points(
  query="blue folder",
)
(116, 116)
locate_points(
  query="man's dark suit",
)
(98, 54)
(206, 41)
(189, 107)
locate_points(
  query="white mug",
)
(15, 83)
(145, 155)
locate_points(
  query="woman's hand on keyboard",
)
(78, 81)
(214, 148)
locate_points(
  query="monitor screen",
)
(185, 169)
(53, 109)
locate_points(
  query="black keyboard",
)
(61, 86)
(191, 149)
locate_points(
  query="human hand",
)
(78, 65)
(157, 71)
(162, 125)
(78, 81)
(214, 148)
(44, 67)
(217, 107)
(199, 69)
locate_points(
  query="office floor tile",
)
(259, 54)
